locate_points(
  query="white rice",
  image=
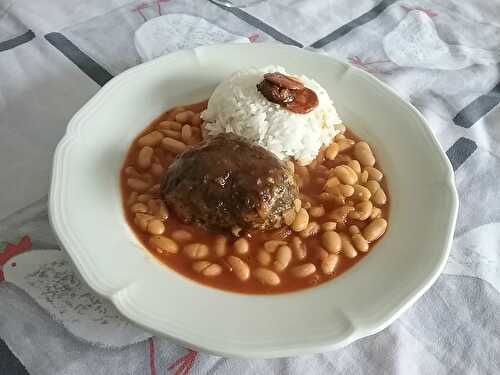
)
(237, 106)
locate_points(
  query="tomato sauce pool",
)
(182, 125)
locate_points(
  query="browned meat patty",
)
(226, 182)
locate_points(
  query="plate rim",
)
(116, 297)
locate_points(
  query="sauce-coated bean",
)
(311, 229)
(347, 248)
(156, 226)
(375, 229)
(152, 139)
(200, 265)
(331, 241)
(303, 270)
(266, 276)
(355, 166)
(139, 207)
(346, 174)
(182, 235)
(317, 211)
(361, 193)
(240, 268)
(328, 264)
(272, 246)
(144, 157)
(345, 144)
(264, 258)
(329, 225)
(374, 174)
(184, 117)
(364, 154)
(144, 198)
(301, 220)
(220, 245)
(142, 220)
(170, 125)
(212, 270)
(283, 258)
(163, 244)
(173, 145)
(138, 185)
(340, 214)
(373, 186)
(379, 198)
(332, 151)
(241, 246)
(363, 210)
(298, 247)
(196, 250)
(360, 243)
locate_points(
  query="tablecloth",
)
(442, 56)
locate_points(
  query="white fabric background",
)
(454, 328)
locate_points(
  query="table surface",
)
(443, 57)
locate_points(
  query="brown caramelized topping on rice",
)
(288, 92)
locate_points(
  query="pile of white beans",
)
(142, 176)
(351, 191)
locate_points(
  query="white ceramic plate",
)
(86, 211)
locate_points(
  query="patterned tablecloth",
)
(442, 56)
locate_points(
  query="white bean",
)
(196, 250)
(240, 268)
(163, 243)
(364, 154)
(346, 174)
(375, 229)
(157, 169)
(151, 139)
(328, 264)
(283, 258)
(156, 226)
(212, 270)
(184, 117)
(139, 207)
(266, 276)
(311, 229)
(298, 247)
(303, 270)
(271, 246)
(301, 220)
(347, 248)
(172, 125)
(138, 185)
(332, 151)
(144, 157)
(173, 145)
(317, 211)
(201, 265)
(363, 210)
(329, 225)
(144, 198)
(379, 198)
(345, 144)
(241, 246)
(182, 235)
(264, 258)
(360, 243)
(142, 220)
(220, 245)
(331, 241)
(374, 174)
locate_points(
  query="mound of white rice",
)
(237, 106)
